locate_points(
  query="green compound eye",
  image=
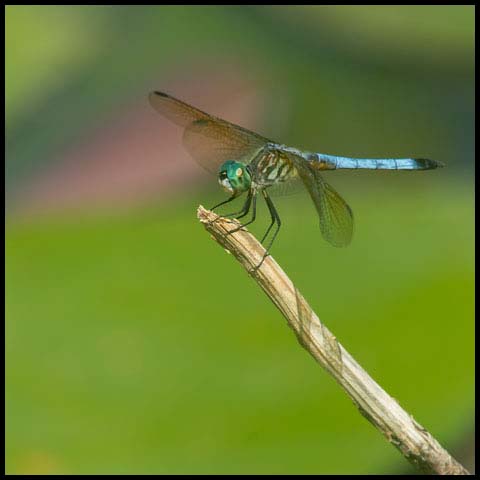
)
(234, 177)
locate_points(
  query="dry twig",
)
(380, 409)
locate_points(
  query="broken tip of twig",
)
(203, 214)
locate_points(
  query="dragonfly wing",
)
(336, 218)
(210, 140)
(211, 143)
(291, 186)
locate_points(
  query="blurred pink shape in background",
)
(138, 156)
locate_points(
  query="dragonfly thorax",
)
(273, 167)
(234, 177)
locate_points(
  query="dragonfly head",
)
(234, 177)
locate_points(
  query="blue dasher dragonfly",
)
(246, 162)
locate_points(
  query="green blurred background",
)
(134, 343)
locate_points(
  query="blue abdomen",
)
(332, 162)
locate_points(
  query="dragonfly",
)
(248, 163)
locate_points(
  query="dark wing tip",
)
(153, 96)
(160, 94)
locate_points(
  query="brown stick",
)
(379, 408)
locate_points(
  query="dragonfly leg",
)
(245, 209)
(228, 200)
(223, 203)
(254, 214)
(272, 217)
(275, 220)
(274, 212)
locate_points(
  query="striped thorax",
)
(273, 167)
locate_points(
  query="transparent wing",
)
(336, 218)
(209, 140)
(291, 186)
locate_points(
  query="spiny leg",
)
(223, 203)
(245, 209)
(272, 217)
(254, 214)
(275, 219)
(228, 200)
(274, 212)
